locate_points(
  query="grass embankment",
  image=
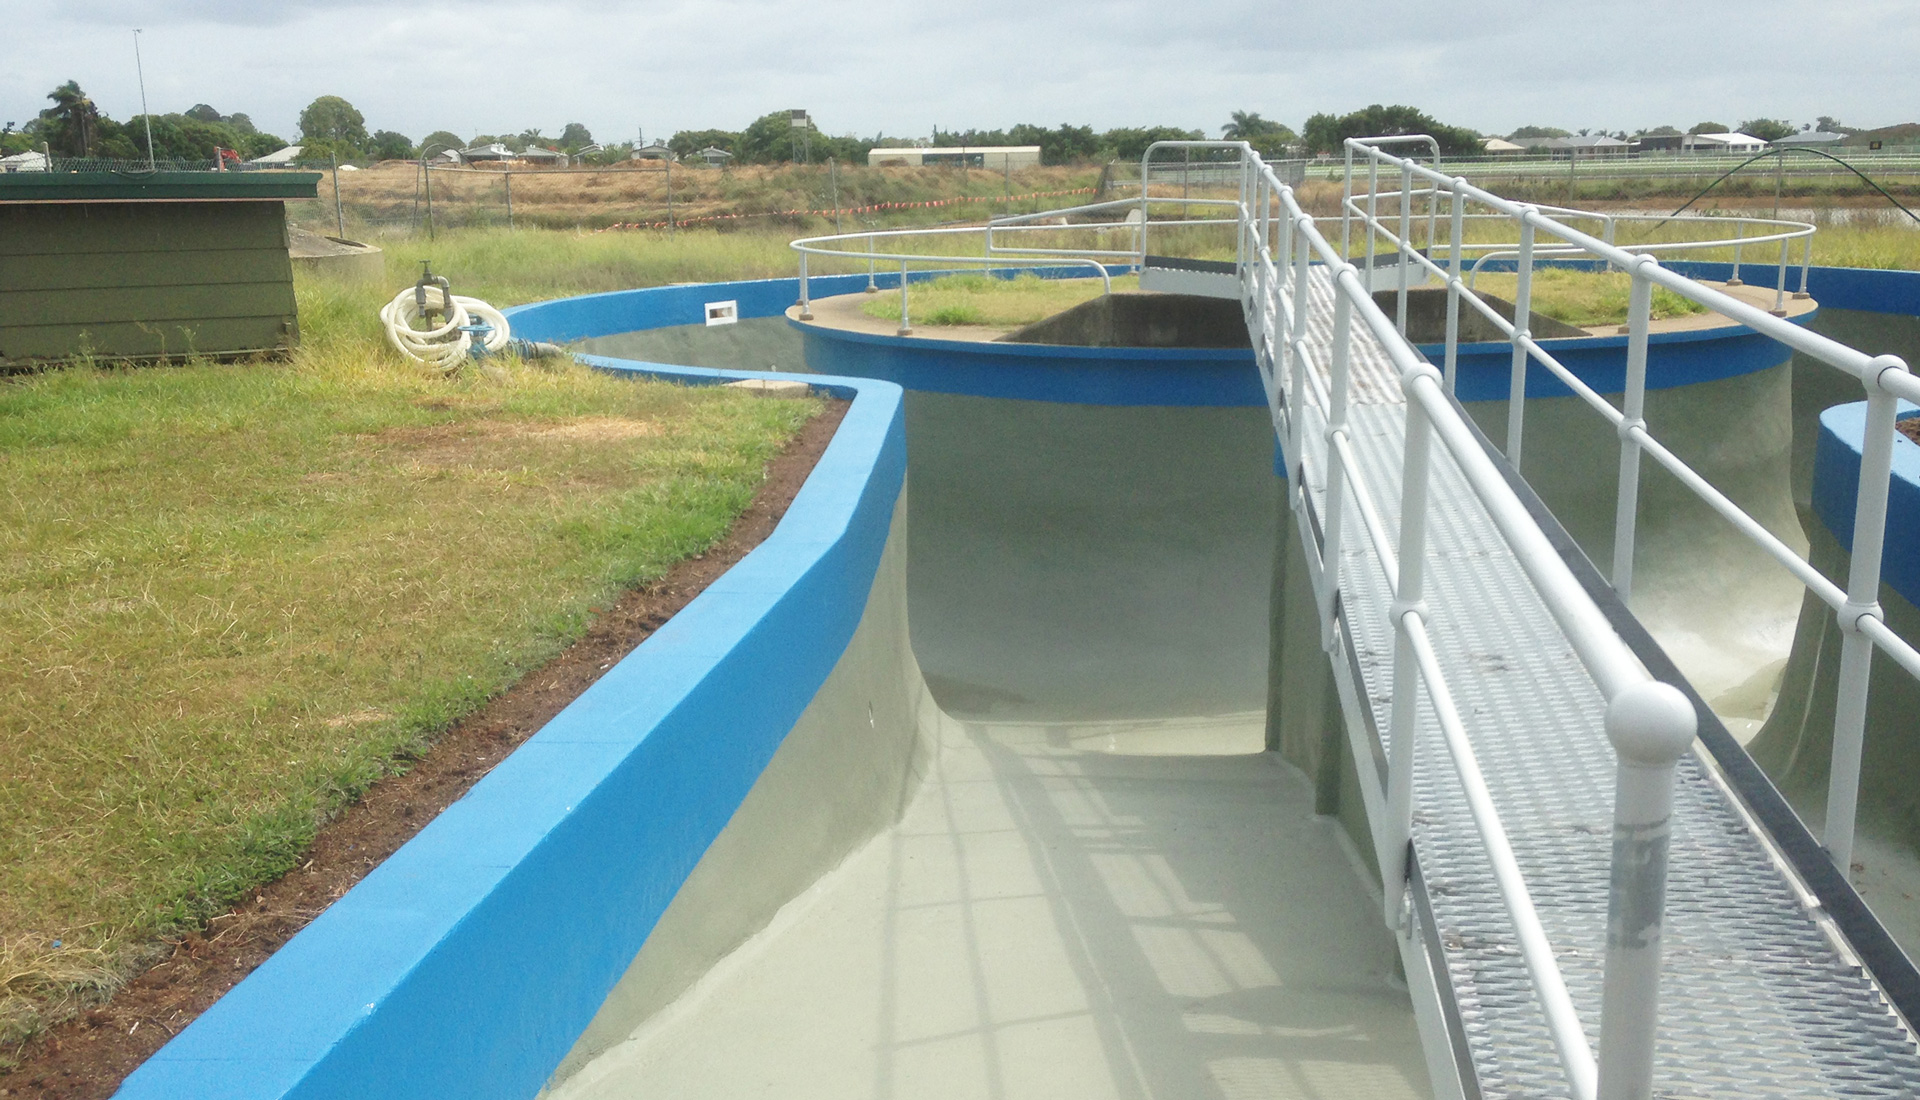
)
(1586, 299)
(392, 194)
(985, 300)
(235, 595)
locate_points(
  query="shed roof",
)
(1812, 137)
(157, 186)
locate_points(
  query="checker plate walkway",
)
(1758, 998)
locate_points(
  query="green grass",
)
(971, 299)
(236, 595)
(1585, 298)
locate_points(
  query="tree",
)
(241, 123)
(332, 125)
(1537, 132)
(1707, 128)
(1130, 143)
(1831, 125)
(1064, 144)
(1660, 131)
(1326, 133)
(770, 139)
(575, 137)
(434, 143)
(203, 113)
(529, 138)
(1767, 129)
(1268, 138)
(389, 145)
(70, 125)
(688, 142)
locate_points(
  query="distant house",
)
(1722, 143)
(1813, 139)
(282, 156)
(973, 156)
(656, 151)
(1501, 147)
(33, 161)
(496, 153)
(714, 156)
(1658, 143)
(1598, 145)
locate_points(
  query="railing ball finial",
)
(1651, 723)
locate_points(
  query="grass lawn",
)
(971, 299)
(235, 595)
(1585, 298)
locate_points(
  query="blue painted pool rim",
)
(1836, 488)
(470, 961)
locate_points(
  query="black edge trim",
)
(1216, 267)
(1885, 961)
(1443, 981)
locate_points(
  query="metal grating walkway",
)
(1757, 998)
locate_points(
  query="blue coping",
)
(1836, 487)
(470, 961)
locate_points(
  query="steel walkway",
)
(1759, 995)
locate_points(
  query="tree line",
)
(331, 127)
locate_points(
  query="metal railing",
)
(1281, 255)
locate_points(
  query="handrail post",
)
(1780, 287)
(872, 287)
(1522, 314)
(1457, 220)
(1346, 210)
(1406, 260)
(1297, 387)
(1373, 213)
(1739, 231)
(1336, 472)
(906, 326)
(1651, 725)
(1806, 261)
(1408, 603)
(1863, 600)
(1627, 497)
(806, 307)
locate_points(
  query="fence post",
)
(506, 178)
(1863, 599)
(1522, 314)
(339, 217)
(1651, 726)
(1626, 511)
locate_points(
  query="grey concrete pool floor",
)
(1109, 909)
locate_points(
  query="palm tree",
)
(76, 115)
(1246, 126)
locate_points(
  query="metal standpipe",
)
(1651, 726)
(806, 307)
(906, 326)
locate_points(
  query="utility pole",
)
(145, 115)
(669, 192)
(339, 218)
(833, 177)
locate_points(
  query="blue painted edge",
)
(1836, 488)
(469, 962)
(617, 311)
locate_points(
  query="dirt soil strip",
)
(87, 1057)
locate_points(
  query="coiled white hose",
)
(446, 347)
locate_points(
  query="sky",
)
(503, 66)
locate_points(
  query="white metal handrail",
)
(1885, 380)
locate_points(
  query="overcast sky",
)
(501, 66)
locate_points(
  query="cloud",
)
(900, 68)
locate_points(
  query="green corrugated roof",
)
(127, 187)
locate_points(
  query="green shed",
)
(146, 266)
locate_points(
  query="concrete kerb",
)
(470, 961)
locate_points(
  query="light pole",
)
(146, 116)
